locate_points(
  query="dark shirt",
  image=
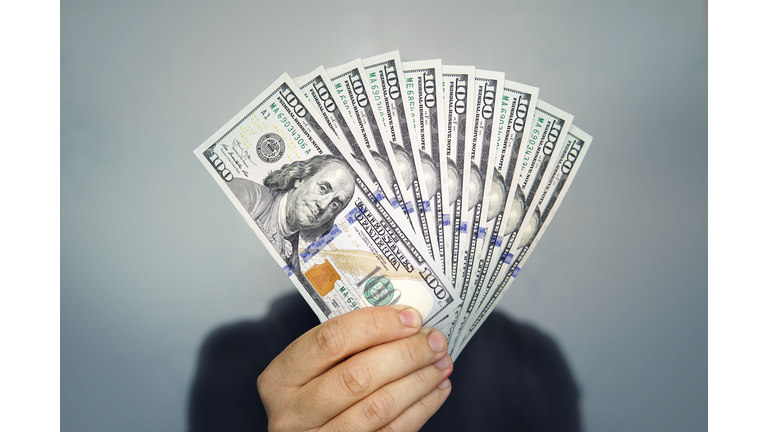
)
(509, 377)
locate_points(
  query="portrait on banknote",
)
(475, 192)
(429, 167)
(405, 163)
(384, 168)
(301, 199)
(516, 213)
(498, 195)
(453, 182)
(531, 229)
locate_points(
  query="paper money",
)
(424, 87)
(570, 159)
(543, 145)
(458, 81)
(385, 182)
(318, 91)
(548, 124)
(518, 102)
(387, 85)
(349, 86)
(328, 227)
(316, 87)
(479, 157)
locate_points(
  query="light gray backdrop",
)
(619, 279)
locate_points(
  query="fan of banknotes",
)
(383, 182)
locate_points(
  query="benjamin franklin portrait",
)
(302, 198)
(429, 168)
(498, 195)
(404, 163)
(475, 193)
(516, 212)
(452, 188)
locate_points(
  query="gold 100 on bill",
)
(333, 233)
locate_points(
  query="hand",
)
(363, 371)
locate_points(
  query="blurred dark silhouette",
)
(510, 377)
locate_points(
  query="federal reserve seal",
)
(379, 291)
(270, 147)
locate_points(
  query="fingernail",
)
(437, 341)
(444, 363)
(410, 317)
(445, 384)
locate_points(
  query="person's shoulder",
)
(533, 350)
(261, 339)
(234, 341)
(529, 344)
(522, 374)
(500, 327)
(224, 391)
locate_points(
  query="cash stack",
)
(381, 182)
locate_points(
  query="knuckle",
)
(388, 428)
(264, 383)
(280, 424)
(411, 352)
(379, 320)
(356, 380)
(261, 382)
(330, 339)
(424, 378)
(376, 409)
(275, 425)
(424, 407)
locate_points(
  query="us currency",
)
(317, 89)
(349, 86)
(424, 87)
(385, 81)
(458, 82)
(322, 221)
(571, 157)
(542, 145)
(479, 158)
(459, 93)
(317, 92)
(515, 122)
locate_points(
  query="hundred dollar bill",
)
(458, 82)
(386, 82)
(546, 139)
(349, 86)
(327, 226)
(515, 122)
(424, 87)
(535, 154)
(317, 92)
(479, 157)
(570, 159)
(459, 94)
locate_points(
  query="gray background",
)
(147, 270)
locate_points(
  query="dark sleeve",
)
(510, 377)
(553, 396)
(224, 396)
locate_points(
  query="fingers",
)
(324, 346)
(403, 405)
(417, 414)
(366, 372)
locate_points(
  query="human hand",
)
(362, 371)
